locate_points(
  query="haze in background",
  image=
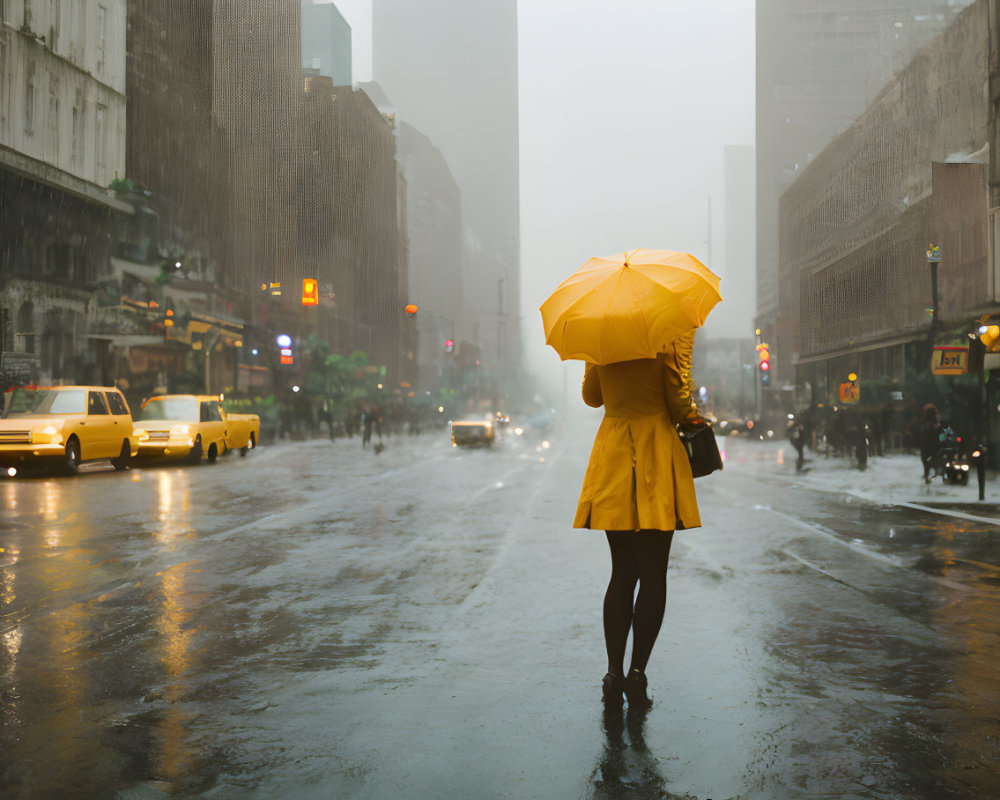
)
(625, 112)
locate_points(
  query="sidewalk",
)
(894, 479)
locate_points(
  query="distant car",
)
(63, 426)
(734, 426)
(472, 433)
(192, 426)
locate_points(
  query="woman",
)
(638, 488)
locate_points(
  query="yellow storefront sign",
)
(950, 360)
(850, 392)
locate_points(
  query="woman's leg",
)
(619, 597)
(651, 553)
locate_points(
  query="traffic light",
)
(449, 345)
(989, 335)
(764, 364)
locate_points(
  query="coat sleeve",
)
(592, 394)
(678, 383)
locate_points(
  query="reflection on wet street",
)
(307, 623)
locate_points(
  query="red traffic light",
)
(449, 345)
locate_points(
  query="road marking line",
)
(949, 513)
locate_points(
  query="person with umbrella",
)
(632, 320)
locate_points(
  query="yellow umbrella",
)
(630, 306)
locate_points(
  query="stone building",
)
(436, 250)
(62, 142)
(855, 283)
(820, 63)
(349, 226)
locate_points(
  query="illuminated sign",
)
(310, 292)
(950, 360)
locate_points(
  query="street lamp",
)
(933, 258)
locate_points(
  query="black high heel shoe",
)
(612, 688)
(634, 687)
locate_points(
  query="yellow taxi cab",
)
(181, 426)
(472, 433)
(63, 426)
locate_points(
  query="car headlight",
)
(180, 430)
(141, 434)
(48, 435)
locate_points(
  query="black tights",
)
(636, 557)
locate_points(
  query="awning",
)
(128, 339)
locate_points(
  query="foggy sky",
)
(625, 110)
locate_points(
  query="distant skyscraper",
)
(326, 41)
(449, 67)
(256, 99)
(740, 255)
(820, 63)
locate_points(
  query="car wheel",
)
(213, 453)
(195, 454)
(124, 458)
(71, 461)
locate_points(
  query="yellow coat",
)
(638, 476)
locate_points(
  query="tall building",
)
(820, 63)
(436, 248)
(256, 100)
(326, 42)
(62, 142)
(858, 293)
(450, 69)
(176, 152)
(740, 254)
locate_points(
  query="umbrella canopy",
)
(630, 306)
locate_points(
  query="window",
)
(53, 126)
(55, 11)
(102, 15)
(117, 403)
(210, 412)
(29, 102)
(101, 145)
(96, 403)
(3, 77)
(26, 327)
(76, 146)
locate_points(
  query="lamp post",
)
(933, 259)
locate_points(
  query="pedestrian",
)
(367, 418)
(797, 436)
(929, 440)
(638, 488)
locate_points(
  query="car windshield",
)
(39, 402)
(181, 409)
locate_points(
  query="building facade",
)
(857, 292)
(450, 70)
(820, 64)
(435, 234)
(62, 142)
(326, 42)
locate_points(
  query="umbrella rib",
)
(611, 297)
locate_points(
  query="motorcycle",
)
(954, 461)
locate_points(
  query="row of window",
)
(55, 15)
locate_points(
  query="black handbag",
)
(702, 450)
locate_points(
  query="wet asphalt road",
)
(316, 621)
